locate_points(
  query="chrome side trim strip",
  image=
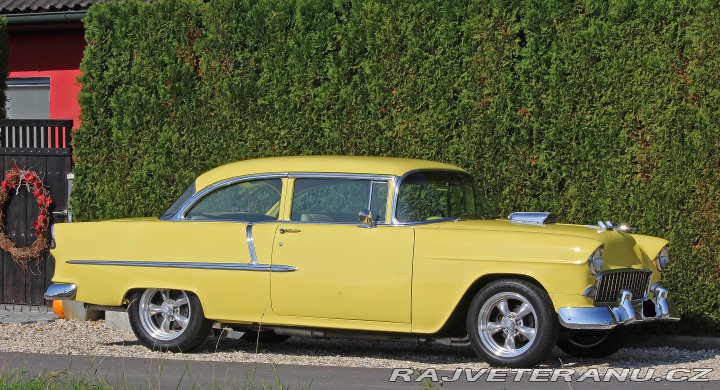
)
(61, 291)
(251, 244)
(194, 265)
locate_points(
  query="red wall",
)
(54, 54)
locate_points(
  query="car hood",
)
(621, 249)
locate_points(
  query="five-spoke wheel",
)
(510, 323)
(166, 319)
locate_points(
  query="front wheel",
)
(594, 343)
(168, 320)
(511, 323)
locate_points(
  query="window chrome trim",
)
(183, 210)
(346, 176)
(398, 182)
(390, 180)
(189, 265)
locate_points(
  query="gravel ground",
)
(95, 338)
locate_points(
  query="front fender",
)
(448, 262)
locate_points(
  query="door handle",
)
(283, 231)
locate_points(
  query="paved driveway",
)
(182, 374)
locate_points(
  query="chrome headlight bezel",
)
(595, 261)
(663, 259)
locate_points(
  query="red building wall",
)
(55, 54)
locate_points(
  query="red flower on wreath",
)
(14, 180)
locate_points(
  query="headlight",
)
(662, 259)
(595, 261)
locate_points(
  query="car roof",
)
(319, 164)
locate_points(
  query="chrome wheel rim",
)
(507, 324)
(164, 314)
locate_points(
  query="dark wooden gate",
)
(42, 146)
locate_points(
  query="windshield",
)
(190, 191)
(439, 195)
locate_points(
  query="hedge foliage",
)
(593, 109)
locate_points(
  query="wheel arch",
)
(130, 291)
(455, 324)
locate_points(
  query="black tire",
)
(263, 337)
(186, 327)
(511, 323)
(594, 343)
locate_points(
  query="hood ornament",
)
(607, 225)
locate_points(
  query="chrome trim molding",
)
(396, 189)
(61, 291)
(192, 265)
(533, 218)
(251, 244)
(347, 176)
(182, 210)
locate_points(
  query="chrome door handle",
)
(283, 231)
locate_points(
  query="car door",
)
(345, 269)
(229, 231)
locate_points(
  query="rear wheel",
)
(511, 323)
(594, 343)
(168, 320)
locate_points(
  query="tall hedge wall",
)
(593, 109)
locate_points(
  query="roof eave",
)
(45, 17)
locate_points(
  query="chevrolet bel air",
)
(363, 247)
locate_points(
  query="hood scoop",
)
(532, 218)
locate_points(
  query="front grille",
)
(612, 282)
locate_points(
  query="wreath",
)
(15, 178)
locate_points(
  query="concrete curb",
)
(117, 320)
(26, 317)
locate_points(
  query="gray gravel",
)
(95, 338)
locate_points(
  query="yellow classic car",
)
(363, 247)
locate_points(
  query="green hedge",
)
(593, 109)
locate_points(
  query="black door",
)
(42, 146)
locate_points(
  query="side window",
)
(337, 200)
(379, 200)
(256, 200)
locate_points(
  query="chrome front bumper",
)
(60, 291)
(625, 312)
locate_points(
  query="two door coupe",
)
(363, 247)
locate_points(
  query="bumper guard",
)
(625, 312)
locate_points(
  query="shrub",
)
(592, 109)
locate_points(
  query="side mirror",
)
(365, 217)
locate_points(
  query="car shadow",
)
(433, 354)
